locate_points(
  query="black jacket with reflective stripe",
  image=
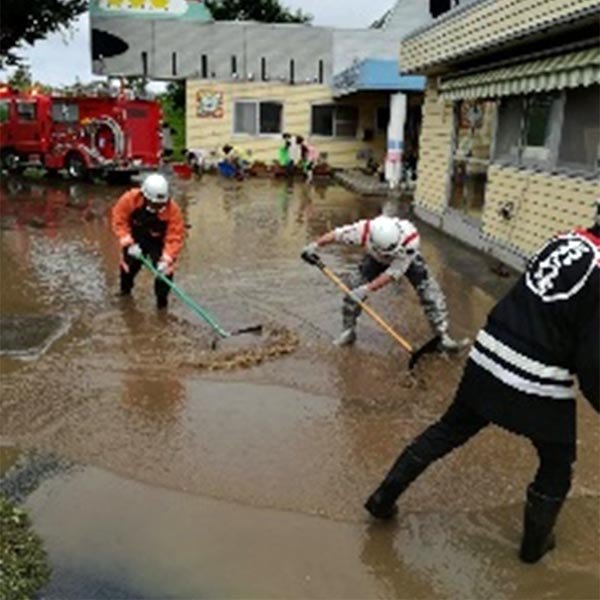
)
(537, 338)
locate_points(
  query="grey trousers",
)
(428, 290)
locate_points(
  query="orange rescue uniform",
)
(132, 223)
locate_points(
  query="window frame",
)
(61, 104)
(33, 103)
(257, 103)
(335, 121)
(573, 168)
(526, 158)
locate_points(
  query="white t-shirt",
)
(357, 234)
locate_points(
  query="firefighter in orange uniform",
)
(148, 223)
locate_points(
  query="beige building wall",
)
(435, 151)
(543, 205)
(482, 25)
(211, 133)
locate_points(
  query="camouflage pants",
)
(428, 290)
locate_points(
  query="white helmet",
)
(156, 189)
(384, 235)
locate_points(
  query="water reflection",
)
(48, 205)
(379, 556)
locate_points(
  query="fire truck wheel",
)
(10, 161)
(76, 167)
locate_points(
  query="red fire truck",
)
(105, 136)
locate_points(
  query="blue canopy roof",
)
(376, 74)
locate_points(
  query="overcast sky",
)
(60, 59)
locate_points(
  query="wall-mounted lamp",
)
(507, 211)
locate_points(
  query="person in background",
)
(392, 250)
(520, 376)
(148, 223)
(308, 157)
(284, 155)
(238, 158)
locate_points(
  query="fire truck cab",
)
(82, 134)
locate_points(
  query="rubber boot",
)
(382, 502)
(346, 338)
(541, 513)
(348, 335)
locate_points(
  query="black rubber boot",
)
(382, 502)
(541, 513)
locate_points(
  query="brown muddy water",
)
(248, 481)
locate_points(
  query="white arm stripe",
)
(518, 382)
(521, 361)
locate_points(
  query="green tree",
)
(266, 11)
(21, 78)
(28, 22)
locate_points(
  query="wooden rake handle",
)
(331, 275)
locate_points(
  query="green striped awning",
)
(570, 70)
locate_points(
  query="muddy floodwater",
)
(155, 467)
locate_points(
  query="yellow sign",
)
(176, 7)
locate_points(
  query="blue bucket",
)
(227, 170)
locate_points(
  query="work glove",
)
(360, 293)
(163, 267)
(134, 251)
(309, 253)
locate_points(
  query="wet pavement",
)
(249, 482)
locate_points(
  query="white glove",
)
(163, 267)
(360, 293)
(311, 248)
(134, 251)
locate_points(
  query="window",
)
(580, 140)
(26, 111)
(65, 112)
(321, 71)
(473, 135)
(204, 66)
(537, 128)
(322, 120)
(508, 136)
(234, 65)
(252, 117)
(270, 117)
(346, 121)
(334, 121)
(292, 71)
(528, 130)
(4, 111)
(174, 63)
